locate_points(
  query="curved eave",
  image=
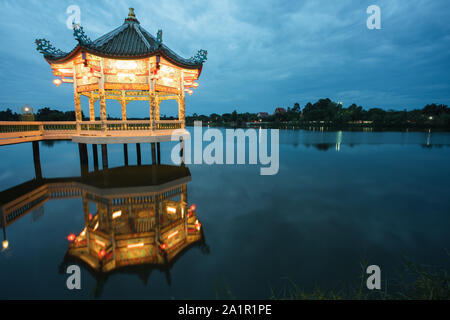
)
(160, 52)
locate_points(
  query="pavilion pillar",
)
(181, 103)
(102, 97)
(181, 109)
(84, 166)
(158, 102)
(37, 160)
(158, 152)
(91, 107)
(125, 154)
(152, 97)
(105, 156)
(153, 153)
(123, 103)
(138, 153)
(95, 156)
(78, 117)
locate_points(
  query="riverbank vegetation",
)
(322, 114)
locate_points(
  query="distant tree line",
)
(324, 112)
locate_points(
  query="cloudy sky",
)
(261, 54)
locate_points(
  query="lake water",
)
(339, 198)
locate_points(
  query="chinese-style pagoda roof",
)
(129, 41)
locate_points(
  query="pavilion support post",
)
(78, 117)
(138, 153)
(82, 148)
(182, 150)
(153, 153)
(125, 154)
(123, 103)
(86, 215)
(105, 156)
(37, 160)
(158, 151)
(181, 103)
(152, 98)
(95, 156)
(102, 97)
(91, 107)
(157, 117)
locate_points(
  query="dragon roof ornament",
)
(45, 47)
(200, 57)
(80, 35)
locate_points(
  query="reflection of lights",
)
(172, 234)
(338, 140)
(57, 82)
(5, 244)
(71, 237)
(96, 226)
(135, 245)
(430, 118)
(116, 214)
(171, 210)
(26, 109)
(83, 232)
(126, 64)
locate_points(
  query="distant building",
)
(262, 114)
(280, 111)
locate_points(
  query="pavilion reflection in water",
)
(141, 216)
(136, 224)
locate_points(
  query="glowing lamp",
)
(193, 207)
(135, 245)
(190, 92)
(171, 210)
(57, 82)
(163, 246)
(90, 216)
(71, 237)
(195, 85)
(102, 253)
(117, 214)
(198, 225)
(5, 244)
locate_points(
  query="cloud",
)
(261, 54)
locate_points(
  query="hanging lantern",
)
(195, 85)
(193, 207)
(5, 244)
(71, 237)
(102, 253)
(57, 82)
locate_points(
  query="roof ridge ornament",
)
(131, 16)
(200, 56)
(159, 38)
(79, 34)
(45, 47)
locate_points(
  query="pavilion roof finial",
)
(131, 16)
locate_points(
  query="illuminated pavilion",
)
(126, 64)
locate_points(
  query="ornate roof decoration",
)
(200, 57)
(159, 37)
(130, 40)
(45, 47)
(79, 34)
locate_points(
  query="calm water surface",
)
(339, 198)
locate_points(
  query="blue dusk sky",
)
(261, 54)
